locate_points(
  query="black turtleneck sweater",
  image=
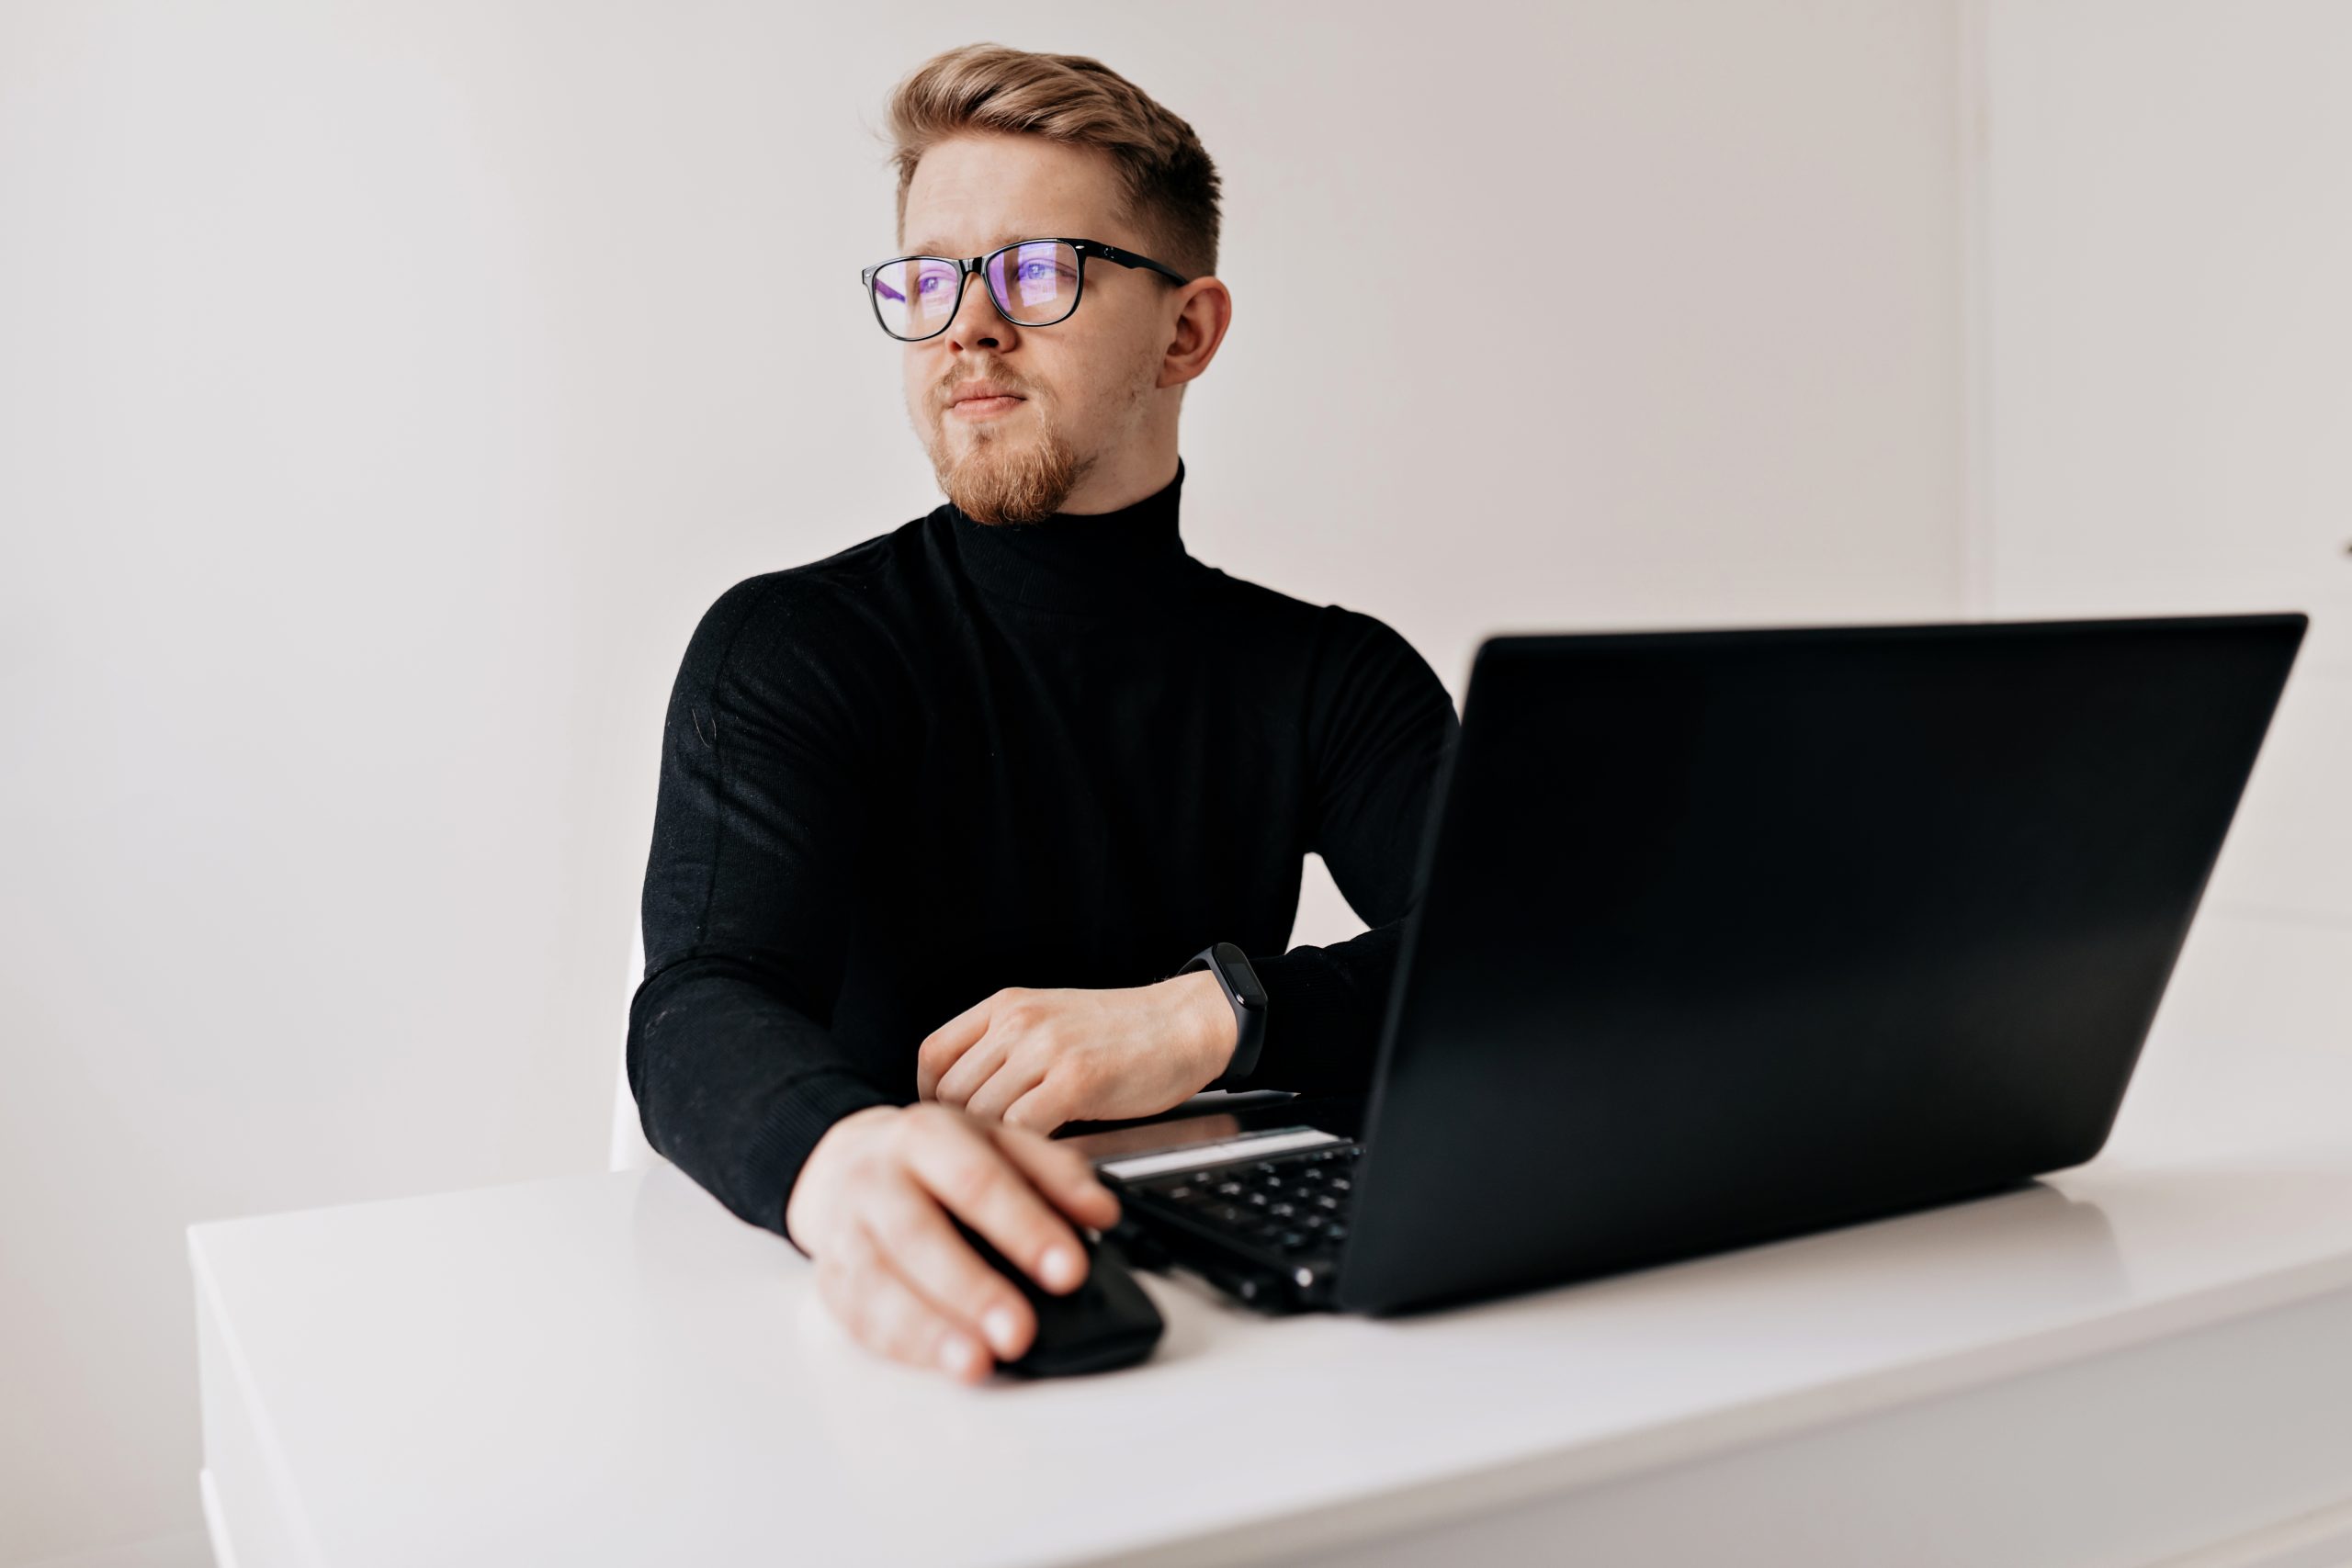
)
(958, 757)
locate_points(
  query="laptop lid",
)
(1729, 935)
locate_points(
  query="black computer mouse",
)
(1107, 1322)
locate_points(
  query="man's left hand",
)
(1038, 1058)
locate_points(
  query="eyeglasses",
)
(1034, 282)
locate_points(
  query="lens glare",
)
(915, 298)
(1034, 284)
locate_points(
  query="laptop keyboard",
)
(1294, 1205)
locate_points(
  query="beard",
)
(994, 477)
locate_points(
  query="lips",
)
(974, 402)
(981, 391)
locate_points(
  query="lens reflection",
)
(1034, 284)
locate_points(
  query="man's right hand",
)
(867, 1209)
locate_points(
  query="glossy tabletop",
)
(611, 1368)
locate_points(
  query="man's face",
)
(1086, 387)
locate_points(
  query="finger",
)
(1007, 1083)
(968, 1072)
(969, 1174)
(914, 1232)
(943, 1045)
(1040, 1109)
(884, 1314)
(1066, 1177)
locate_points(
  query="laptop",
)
(1727, 936)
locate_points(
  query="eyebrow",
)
(1004, 237)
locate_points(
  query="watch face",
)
(1235, 965)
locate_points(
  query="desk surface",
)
(610, 1369)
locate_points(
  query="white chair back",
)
(631, 1151)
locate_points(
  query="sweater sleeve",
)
(1380, 725)
(769, 753)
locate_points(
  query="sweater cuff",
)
(1321, 1032)
(802, 1111)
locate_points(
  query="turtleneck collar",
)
(1080, 561)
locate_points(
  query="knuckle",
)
(885, 1325)
(972, 1182)
(1028, 1138)
(847, 1297)
(878, 1308)
(913, 1334)
(891, 1233)
(869, 1322)
(856, 1168)
(853, 1252)
(938, 1129)
(913, 1130)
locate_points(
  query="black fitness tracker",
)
(1231, 967)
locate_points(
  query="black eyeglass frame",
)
(965, 266)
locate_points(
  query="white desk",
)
(2148, 1359)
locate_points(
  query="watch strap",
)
(1246, 997)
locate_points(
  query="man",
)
(943, 815)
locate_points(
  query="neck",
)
(1138, 471)
(1105, 562)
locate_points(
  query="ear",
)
(1204, 312)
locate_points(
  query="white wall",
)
(2167, 243)
(386, 387)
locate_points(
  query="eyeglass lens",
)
(1036, 285)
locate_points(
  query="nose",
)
(979, 324)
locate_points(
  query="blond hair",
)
(1168, 184)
